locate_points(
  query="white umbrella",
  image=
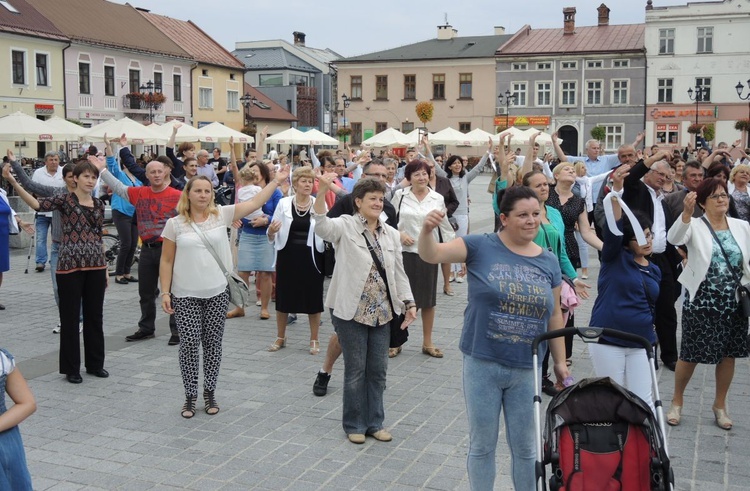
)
(319, 138)
(543, 139)
(72, 130)
(19, 126)
(390, 137)
(292, 136)
(518, 137)
(217, 133)
(186, 133)
(137, 133)
(478, 137)
(449, 136)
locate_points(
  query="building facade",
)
(575, 78)
(700, 44)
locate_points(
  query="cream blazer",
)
(283, 214)
(354, 262)
(697, 237)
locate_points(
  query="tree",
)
(598, 133)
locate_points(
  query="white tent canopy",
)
(518, 137)
(218, 133)
(292, 136)
(543, 139)
(72, 130)
(185, 133)
(478, 137)
(449, 136)
(319, 138)
(414, 136)
(390, 137)
(137, 133)
(20, 126)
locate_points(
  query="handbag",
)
(454, 223)
(743, 291)
(239, 293)
(398, 336)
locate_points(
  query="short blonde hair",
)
(738, 168)
(579, 166)
(559, 167)
(248, 173)
(302, 172)
(183, 205)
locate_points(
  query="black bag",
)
(743, 291)
(453, 222)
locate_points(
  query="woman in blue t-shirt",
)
(514, 286)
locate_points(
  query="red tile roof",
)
(194, 40)
(590, 39)
(28, 22)
(275, 113)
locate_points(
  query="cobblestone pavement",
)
(125, 432)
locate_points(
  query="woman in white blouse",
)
(412, 205)
(193, 285)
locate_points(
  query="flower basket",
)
(154, 98)
(742, 124)
(344, 131)
(424, 111)
(500, 129)
(708, 133)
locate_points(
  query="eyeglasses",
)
(648, 235)
(373, 174)
(717, 197)
(662, 174)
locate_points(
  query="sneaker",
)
(139, 335)
(291, 319)
(39, 267)
(320, 387)
(548, 387)
(258, 303)
(56, 330)
(459, 278)
(174, 340)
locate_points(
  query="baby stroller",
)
(598, 435)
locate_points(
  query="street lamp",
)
(507, 101)
(147, 92)
(347, 101)
(699, 95)
(247, 101)
(740, 88)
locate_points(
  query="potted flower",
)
(155, 98)
(500, 129)
(598, 133)
(742, 124)
(424, 111)
(709, 131)
(344, 131)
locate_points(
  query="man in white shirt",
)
(204, 169)
(598, 164)
(49, 175)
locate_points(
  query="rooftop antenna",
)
(446, 18)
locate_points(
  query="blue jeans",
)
(42, 227)
(365, 351)
(490, 388)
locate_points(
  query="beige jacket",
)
(354, 261)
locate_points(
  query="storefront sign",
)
(44, 108)
(658, 113)
(523, 120)
(96, 115)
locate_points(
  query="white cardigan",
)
(283, 214)
(697, 237)
(354, 262)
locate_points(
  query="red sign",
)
(658, 113)
(523, 120)
(44, 108)
(45, 138)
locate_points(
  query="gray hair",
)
(201, 153)
(589, 142)
(51, 154)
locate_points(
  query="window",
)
(594, 64)
(568, 65)
(134, 76)
(705, 39)
(298, 80)
(19, 67)
(109, 80)
(518, 66)
(177, 87)
(356, 134)
(464, 85)
(407, 127)
(438, 86)
(410, 87)
(705, 82)
(568, 93)
(380, 127)
(619, 92)
(271, 80)
(84, 78)
(356, 86)
(613, 140)
(204, 73)
(464, 127)
(10, 7)
(543, 94)
(666, 41)
(593, 92)
(667, 134)
(158, 82)
(620, 63)
(233, 100)
(519, 90)
(544, 65)
(665, 90)
(41, 70)
(205, 98)
(381, 87)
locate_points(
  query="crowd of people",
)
(383, 229)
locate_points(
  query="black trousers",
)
(127, 230)
(148, 289)
(665, 315)
(81, 290)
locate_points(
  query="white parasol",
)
(218, 133)
(137, 133)
(292, 136)
(390, 137)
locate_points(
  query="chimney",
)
(299, 38)
(499, 30)
(649, 5)
(446, 32)
(569, 20)
(603, 15)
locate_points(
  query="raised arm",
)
(639, 138)
(245, 208)
(178, 170)
(430, 251)
(260, 141)
(22, 193)
(117, 187)
(233, 162)
(27, 183)
(558, 149)
(128, 160)
(528, 161)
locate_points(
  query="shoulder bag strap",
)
(738, 279)
(381, 270)
(209, 247)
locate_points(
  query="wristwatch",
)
(409, 304)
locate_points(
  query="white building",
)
(699, 44)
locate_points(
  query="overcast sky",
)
(353, 27)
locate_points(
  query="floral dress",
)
(14, 474)
(713, 327)
(570, 212)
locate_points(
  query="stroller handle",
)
(592, 334)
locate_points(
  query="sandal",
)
(265, 315)
(188, 409)
(238, 312)
(394, 352)
(674, 415)
(276, 346)
(314, 347)
(722, 418)
(211, 406)
(448, 292)
(432, 351)
(568, 362)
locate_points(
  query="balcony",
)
(135, 102)
(85, 101)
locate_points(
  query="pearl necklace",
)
(306, 208)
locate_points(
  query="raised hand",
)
(432, 221)
(99, 164)
(123, 140)
(324, 181)
(7, 174)
(687, 210)
(283, 174)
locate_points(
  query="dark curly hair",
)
(449, 163)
